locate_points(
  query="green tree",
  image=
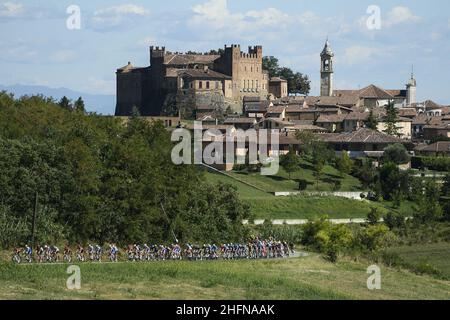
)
(298, 83)
(428, 208)
(445, 190)
(397, 154)
(366, 173)
(374, 216)
(309, 140)
(394, 220)
(271, 64)
(290, 162)
(320, 155)
(391, 119)
(372, 121)
(344, 163)
(393, 182)
(79, 105)
(375, 237)
(65, 103)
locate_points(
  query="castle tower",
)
(411, 90)
(326, 71)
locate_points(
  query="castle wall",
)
(129, 92)
(149, 89)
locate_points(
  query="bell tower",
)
(326, 71)
(411, 89)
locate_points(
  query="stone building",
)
(278, 87)
(231, 74)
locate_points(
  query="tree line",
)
(99, 179)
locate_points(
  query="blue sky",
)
(37, 48)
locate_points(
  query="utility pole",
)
(168, 220)
(33, 230)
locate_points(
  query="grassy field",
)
(281, 181)
(297, 279)
(428, 256)
(266, 206)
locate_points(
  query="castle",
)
(222, 80)
(226, 77)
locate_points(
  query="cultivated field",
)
(301, 278)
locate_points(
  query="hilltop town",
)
(229, 88)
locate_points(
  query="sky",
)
(38, 48)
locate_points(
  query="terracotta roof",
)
(130, 68)
(445, 110)
(407, 112)
(276, 109)
(426, 120)
(295, 109)
(420, 119)
(240, 120)
(397, 93)
(374, 92)
(332, 118)
(362, 135)
(186, 59)
(307, 127)
(438, 147)
(338, 99)
(362, 116)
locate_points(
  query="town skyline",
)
(294, 32)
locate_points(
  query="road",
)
(305, 221)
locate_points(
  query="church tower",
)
(326, 71)
(411, 89)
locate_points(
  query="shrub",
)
(431, 163)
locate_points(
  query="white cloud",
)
(117, 16)
(214, 20)
(358, 54)
(17, 51)
(396, 16)
(11, 10)
(215, 14)
(399, 15)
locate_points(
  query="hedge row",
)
(431, 163)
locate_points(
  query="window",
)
(207, 84)
(200, 85)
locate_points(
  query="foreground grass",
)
(303, 278)
(426, 257)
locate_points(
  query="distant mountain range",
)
(102, 104)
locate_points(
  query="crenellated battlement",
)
(157, 52)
